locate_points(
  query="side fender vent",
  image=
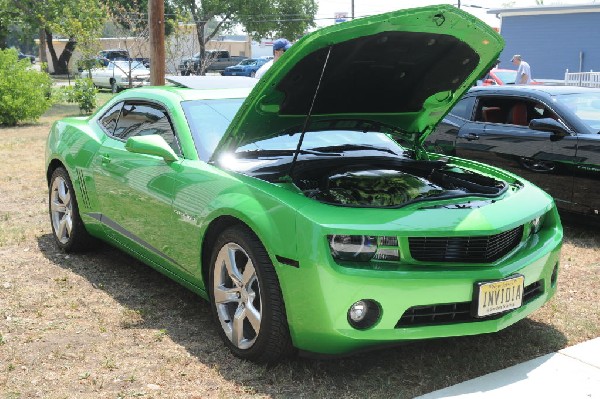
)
(85, 199)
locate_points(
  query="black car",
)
(30, 57)
(549, 135)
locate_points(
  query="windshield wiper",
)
(352, 147)
(276, 153)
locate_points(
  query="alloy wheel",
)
(237, 295)
(61, 208)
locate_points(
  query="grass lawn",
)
(103, 325)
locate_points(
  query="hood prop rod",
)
(307, 120)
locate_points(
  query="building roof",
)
(560, 9)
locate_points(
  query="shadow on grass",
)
(403, 372)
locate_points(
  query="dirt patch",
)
(103, 325)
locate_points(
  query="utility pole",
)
(352, 13)
(156, 21)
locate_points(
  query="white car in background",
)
(116, 75)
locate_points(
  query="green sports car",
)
(303, 207)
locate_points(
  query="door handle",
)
(105, 159)
(472, 136)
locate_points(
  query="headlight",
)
(363, 248)
(125, 78)
(356, 248)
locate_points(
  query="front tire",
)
(67, 227)
(246, 298)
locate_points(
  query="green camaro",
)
(303, 207)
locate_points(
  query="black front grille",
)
(459, 312)
(473, 249)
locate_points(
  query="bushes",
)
(83, 93)
(24, 92)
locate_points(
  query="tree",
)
(139, 8)
(260, 18)
(79, 21)
(25, 92)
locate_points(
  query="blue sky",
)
(328, 8)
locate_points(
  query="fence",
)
(585, 79)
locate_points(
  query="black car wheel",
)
(67, 227)
(246, 298)
(536, 165)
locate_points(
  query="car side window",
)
(463, 108)
(109, 120)
(511, 110)
(142, 119)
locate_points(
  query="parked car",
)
(104, 57)
(247, 67)
(550, 135)
(305, 208)
(116, 75)
(30, 57)
(498, 76)
(215, 60)
(120, 55)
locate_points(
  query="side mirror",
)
(549, 125)
(489, 82)
(151, 145)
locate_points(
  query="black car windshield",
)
(585, 105)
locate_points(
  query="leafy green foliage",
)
(260, 18)
(80, 21)
(24, 92)
(83, 93)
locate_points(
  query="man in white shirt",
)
(523, 70)
(279, 47)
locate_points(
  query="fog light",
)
(357, 312)
(364, 314)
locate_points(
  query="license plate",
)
(234, 73)
(492, 297)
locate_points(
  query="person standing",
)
(523, 70)
(279, 47)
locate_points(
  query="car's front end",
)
(392, 243)
(136, 80)
(392, 249)
(237, 70)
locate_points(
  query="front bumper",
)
(319, 293)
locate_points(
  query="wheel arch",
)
(52, 166)
(213, 230)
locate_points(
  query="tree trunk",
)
(200, 33)
(43, 54)
(50, 45)
(60, 64)
(3, 36)
(66, 55)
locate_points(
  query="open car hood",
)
(401, 72)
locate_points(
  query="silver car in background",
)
(117, 75)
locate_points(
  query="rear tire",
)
(246, 298)
(67, 227)
(113, 86)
